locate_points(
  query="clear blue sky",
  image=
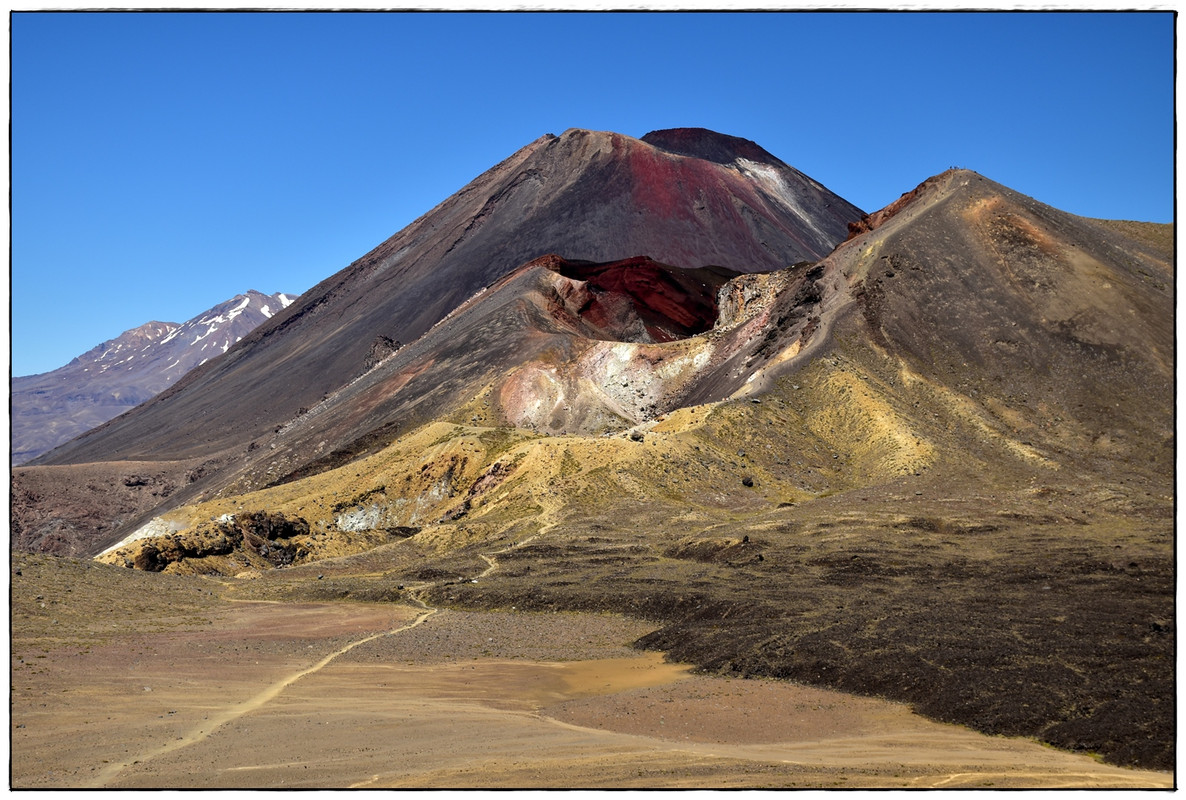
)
(162, 163)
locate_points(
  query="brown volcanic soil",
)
(180, 685)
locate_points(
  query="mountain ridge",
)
(53, 407)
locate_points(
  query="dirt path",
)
(232, 713)
(495, 722)
(111, 771)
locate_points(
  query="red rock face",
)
(672, 303)
(664, 181)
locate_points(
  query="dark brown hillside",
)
(1060, 332)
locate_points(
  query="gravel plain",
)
(192, 689)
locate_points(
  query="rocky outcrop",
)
(708, 145)
(272, 537)
(381, 348)
(746, 295)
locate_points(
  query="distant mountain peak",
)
(120, 373)
(215, 330)
(130, 340)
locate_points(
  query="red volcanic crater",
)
(672, 302)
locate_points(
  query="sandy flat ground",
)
(369, 695)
